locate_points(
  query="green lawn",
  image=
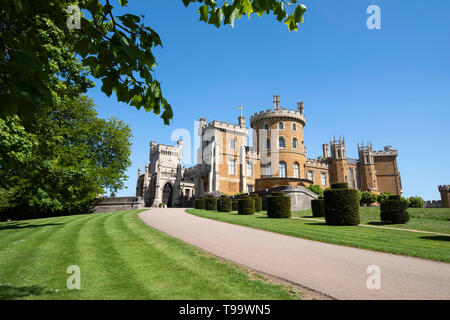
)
(422, 245)
(434, 220)
(120, 258)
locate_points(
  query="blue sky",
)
(388, 86)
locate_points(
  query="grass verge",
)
(119, 258)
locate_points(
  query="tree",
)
(45, 63)
(316, 189)
(367, 198)
(60, 162)
(416, 202)
(383, 196)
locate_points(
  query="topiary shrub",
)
(394, 210)
(383, 196)
(234, 205)
(224, 204)
(258, 202)
(341, 205)
(199, 203)
(246, 205)
(339, 185)
(278, 205)
(211, 203)
(318, 207)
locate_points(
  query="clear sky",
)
(388, 86)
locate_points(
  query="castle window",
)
(339, 154)
(283, 169)
(294, 143)
(249, 169)
(281, 142)
(280, 126)
(310, 176)
(267, 170)
(268, 144)
(232, 144)
(294, 127)
(296, 170)
(249, 188)
(232, 167)
(266, 126)
(324, 178)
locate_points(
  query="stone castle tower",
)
(444, 191)
(367, 168)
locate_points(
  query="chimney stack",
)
(300, 107)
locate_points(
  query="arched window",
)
(294, 127)
(266, 126)
(294, 143)
(267, 170)
(283, 169)
(296, 170)
(281, 142)
(268, 144)
(280, 126)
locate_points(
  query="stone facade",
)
(226, 163)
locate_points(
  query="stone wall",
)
(433, 204)
(118, 204)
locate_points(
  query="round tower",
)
(280, 141)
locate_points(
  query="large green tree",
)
(44, 63)
(61, 161)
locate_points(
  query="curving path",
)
(338, 271)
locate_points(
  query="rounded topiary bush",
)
(234, 205)
(318, 207)
(341, 205)
(199, 203)
(246, 205)
(258, 202)
(224, 204)
(394, 210)
(278, 205)
(211, 203)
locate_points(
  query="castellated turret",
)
(367, 170)
(280, 140)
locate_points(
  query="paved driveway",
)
(338, 271)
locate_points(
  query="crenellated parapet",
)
(279, 114)
(444, 188)
(318, 163)
(226, 127)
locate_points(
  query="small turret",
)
(276, 102)
(301, 107)
(338, 149)
(326, 150)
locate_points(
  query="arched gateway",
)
(167, 194)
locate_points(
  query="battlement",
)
(444, 188)
(221, 125)
(365, 148)
(278, 113)
(165, 150)
(319, 162)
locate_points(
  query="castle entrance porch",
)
(167, 195)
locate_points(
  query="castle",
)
(226, 163)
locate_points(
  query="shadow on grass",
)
(380, 223)
(23, 225)
(11, 292)
(437, 237)
(316, 223)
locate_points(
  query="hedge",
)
(224, 204)
(246, 205)
(211, 203)
(339, 185)
(318, 207)
(278, 205)
(199, 203)
(341, 205)
(234, 205)
(258, 202)
(394, 210)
